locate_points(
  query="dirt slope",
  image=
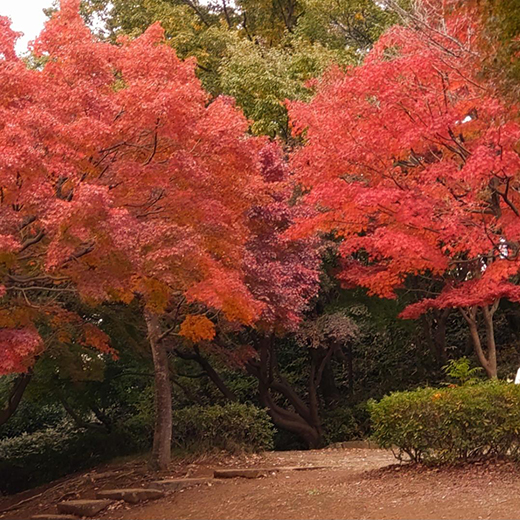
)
(357, 484)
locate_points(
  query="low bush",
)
(448, 425)
(31, 459)
(232, 427)
(344, 423)
(31, 417)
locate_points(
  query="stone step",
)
(345, 445)
(133, 495)
(176, 484)
(54, 516)
(302, 468)
(83, 507)
(243, 473)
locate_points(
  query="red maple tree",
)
(413, 160)
(284, 275)
(119, 179)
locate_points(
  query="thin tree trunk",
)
(350, 369)
(15, 396)
(314, 381)
(434, 327)
(489, 361)
(329, 390)
(162, 437)
(440, 335)
(490, 341)
(426, 322)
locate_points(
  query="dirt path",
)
(355, 487)
(357, 483)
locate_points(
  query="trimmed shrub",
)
(450, 425)
(232, 427)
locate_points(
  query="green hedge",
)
(232, 427)
(345, 423)
(32, 459)
(450, 425)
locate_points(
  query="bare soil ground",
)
(355, 484)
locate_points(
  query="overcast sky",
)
(27, 17)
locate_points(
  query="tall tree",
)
(285, 275)
(134, 186)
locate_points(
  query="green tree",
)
(260, 52)
(261, 78)
(348, 25)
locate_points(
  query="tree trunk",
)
(290, 421)
(314, 381)
(490, 342)
(162, 437)
(304, 420)
(15, 396)
(328, 387)
(440, 335)
(350, 370)
(488, 361)
(434, 327)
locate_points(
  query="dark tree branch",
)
(193, 5)
(31, 241)
(226, 14)
(208, 369)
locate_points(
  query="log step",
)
(176, 484)
(54, 516)
(243, 473)
(83, 507)
(133, 496)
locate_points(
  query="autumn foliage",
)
(413, 161)
(281, 273)
(118, 178)
(122, 181)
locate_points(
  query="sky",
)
(27, 17)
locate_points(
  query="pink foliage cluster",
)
(413, 160)
(283, 274)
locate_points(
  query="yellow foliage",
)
(197, 328)
(15, 317)
(156, 294)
